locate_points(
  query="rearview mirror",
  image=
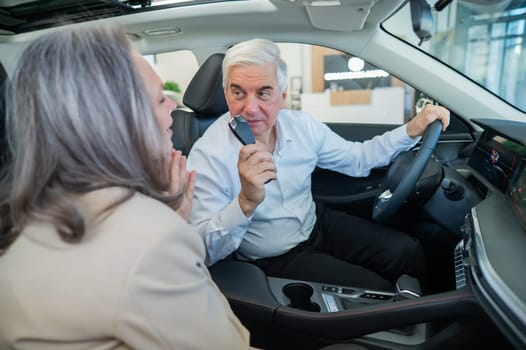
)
(421, 19)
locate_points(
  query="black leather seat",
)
(205, 97)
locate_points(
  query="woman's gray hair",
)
(255, 52)
(78, 118)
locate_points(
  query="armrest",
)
(246, 288)
(251, 298)
(380, 316)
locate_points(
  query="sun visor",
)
(341, 15)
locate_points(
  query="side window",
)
(336, 87)
(333, 86)
(176, 69)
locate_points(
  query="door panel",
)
(356, 194)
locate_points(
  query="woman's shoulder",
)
(143, 234)
(138, 219)
(112, 202)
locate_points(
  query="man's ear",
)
(284, 98)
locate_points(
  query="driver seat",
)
(206, 99)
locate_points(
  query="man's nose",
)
(252, 104)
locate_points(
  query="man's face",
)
(254, 93)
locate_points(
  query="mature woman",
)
(94, 254)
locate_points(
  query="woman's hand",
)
(182, 183)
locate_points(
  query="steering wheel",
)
(387, 203)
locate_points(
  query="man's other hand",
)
(255, 167)
(417, 126)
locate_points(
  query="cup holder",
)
(299, 295)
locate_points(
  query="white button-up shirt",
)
(287, 215)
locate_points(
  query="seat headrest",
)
(204, 95)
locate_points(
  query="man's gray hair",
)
(255, 52)
(78, 119)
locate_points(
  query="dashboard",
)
(498, 158)
(494, 244)
(518, 198)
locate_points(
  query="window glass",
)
(337, 87)
(332, 86)
(485, 42)
(176, 70)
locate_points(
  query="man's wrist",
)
(246, 206)
(410, 130)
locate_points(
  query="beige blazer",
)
(137, 280)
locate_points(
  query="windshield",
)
(484, 42)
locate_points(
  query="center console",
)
(318, 297)
(325, 298)
(334, 313)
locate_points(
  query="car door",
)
(357, 194)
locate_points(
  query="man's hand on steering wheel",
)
(417, 126)
(426, 123)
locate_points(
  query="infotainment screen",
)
(497, 158)
(518, 198)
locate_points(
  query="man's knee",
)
(413, 251)
(412, 258)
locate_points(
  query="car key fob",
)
(241, 130)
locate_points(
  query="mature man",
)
(275, 224)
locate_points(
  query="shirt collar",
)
(283, 137)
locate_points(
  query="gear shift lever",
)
(407, 287)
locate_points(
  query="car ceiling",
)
(23, 16)
(201, 27)
(205, 26)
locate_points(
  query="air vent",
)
(133, 36)
(163, 31)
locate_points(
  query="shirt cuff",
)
(401, 134)
(234, 219)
